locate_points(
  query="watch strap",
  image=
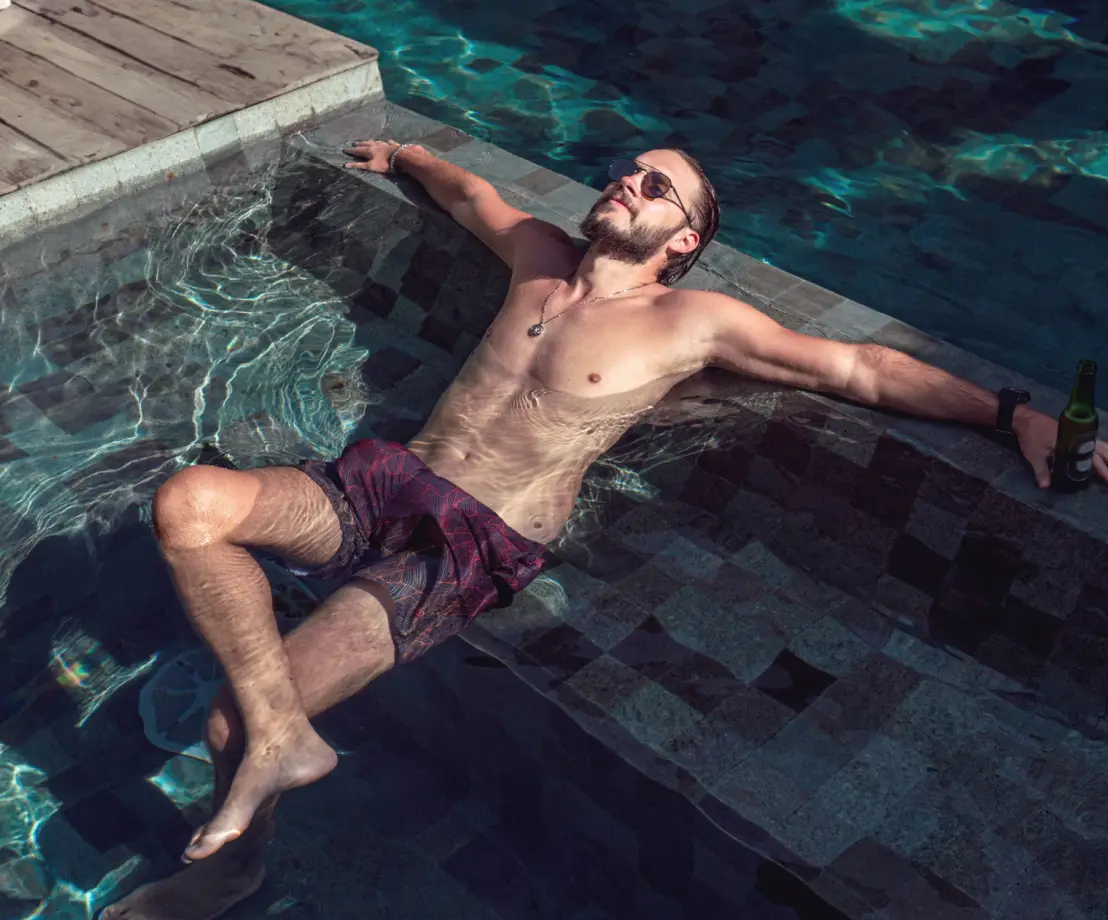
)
(1008, 398)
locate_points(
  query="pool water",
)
(771, 616)
(184, 336)
(945, 163)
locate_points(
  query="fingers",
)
(1100, 460)
(1041, 470)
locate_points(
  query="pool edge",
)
(77, 192)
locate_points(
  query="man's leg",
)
(205, 518)
(344, 645)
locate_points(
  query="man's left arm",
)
(742, 339)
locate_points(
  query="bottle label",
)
(1079, 463)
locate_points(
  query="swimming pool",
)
(944, 163)
(175, 328)
(877, 675)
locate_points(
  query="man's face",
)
(628, 226)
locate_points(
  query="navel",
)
(594, 378)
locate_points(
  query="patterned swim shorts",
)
(443, 556)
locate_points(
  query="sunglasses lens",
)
(621, 168)
(655, 185)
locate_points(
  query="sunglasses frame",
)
(649, 170)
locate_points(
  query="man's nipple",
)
(594, 378)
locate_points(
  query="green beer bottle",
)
(1077, 427)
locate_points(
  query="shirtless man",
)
(429, 535)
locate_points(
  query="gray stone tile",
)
(806, 301)
(805, 752)
(901, 602)
(687, 562)
(1087, 510)
(404, 125)
(911, 341)
(760, 517)
(745, 640)
(655, 716)
(983, 459)
(573, 200)
(869, 789)
(818, 835)
(732, 731)
(542, 181)
(846, 322)
(445, 140)
(761, 793)
(831, 647)
(940, 530)
(981, 865)
(490, 162)
(936, 720)
(849, 436)
(1034, 895)
(759, 560)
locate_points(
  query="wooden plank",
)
(155, 49)
(22, 160)
(274, 47)
(176, 100)
(106, 111)
(52, 127)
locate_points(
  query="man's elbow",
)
(861, 378)
(465, 199)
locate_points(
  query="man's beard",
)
(632, 244)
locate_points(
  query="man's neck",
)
(598, 275)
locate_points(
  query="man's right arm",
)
(470, 200)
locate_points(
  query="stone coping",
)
(77, 192)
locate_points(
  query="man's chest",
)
(596, 349)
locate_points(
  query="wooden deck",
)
(81, 80)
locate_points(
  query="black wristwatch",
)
(1009, 398)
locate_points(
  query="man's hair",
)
(704, 217)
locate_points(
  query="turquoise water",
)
(203, 342)
(946, 163)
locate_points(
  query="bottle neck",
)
(1082, 397)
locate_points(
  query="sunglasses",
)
(654, 184)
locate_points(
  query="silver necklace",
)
(536, 329)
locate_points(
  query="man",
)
(429, 535)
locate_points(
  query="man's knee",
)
(201, 505)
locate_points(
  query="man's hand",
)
(1037, 434)
(374, 155)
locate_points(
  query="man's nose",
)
(629, 183)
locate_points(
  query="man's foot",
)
(262, 775)
(200, 892)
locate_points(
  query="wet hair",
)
(704, 218)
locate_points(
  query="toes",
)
(208, 844)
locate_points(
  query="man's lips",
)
(620, 203)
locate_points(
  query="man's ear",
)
(684, 242)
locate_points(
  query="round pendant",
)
(535, 330)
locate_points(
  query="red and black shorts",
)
(443, 556)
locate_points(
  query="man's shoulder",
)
(546, 249)
(697, 306)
